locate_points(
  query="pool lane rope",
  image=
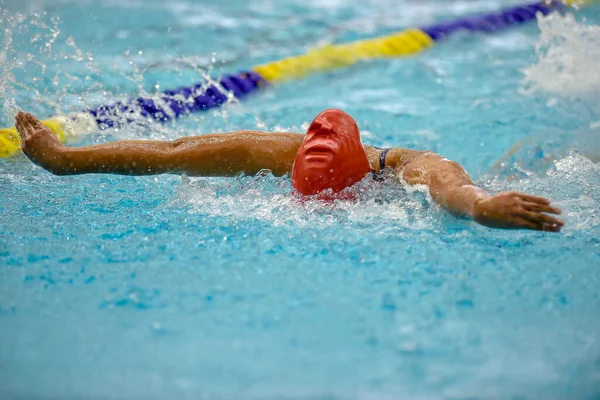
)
(171, 104)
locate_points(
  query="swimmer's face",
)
(331, 156)
(332, 133)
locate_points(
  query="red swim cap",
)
(331, 155)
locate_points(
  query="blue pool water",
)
(174, 288)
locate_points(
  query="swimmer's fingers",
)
(533, 199)
(19, 124)
(533, 213)
(541, 208)
(514, 210)
(542, 219)
(537, 226)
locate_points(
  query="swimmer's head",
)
(331, 155)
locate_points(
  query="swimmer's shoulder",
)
(395, 157)
(399, 157)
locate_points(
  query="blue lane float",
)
(491, 23)
(172, 104)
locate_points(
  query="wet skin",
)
(250, 151)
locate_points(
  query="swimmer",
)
(329, 156)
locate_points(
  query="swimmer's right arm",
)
(451, 187)
(208, 155)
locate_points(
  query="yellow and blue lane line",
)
(172, 104)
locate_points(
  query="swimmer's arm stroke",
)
(248, 152)
(451, 187)
(243, 152)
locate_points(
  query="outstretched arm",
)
(249, 152)
(451, 186)
(207, 155)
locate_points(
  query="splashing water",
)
(567, 74)
(7, 91)
(271, 200)
(566, 78)
(568, 58)
(43, 70)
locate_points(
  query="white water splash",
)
(7, 91)
(567, 76)
(568, 58)
(44, 70)
(571, 184)
(269, 199)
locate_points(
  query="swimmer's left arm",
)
(450, 186)
(225, 154)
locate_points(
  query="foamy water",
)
(271, 200)
(568, 57)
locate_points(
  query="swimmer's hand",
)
(514, 210)
(38, 142)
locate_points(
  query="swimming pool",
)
(169, 287)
